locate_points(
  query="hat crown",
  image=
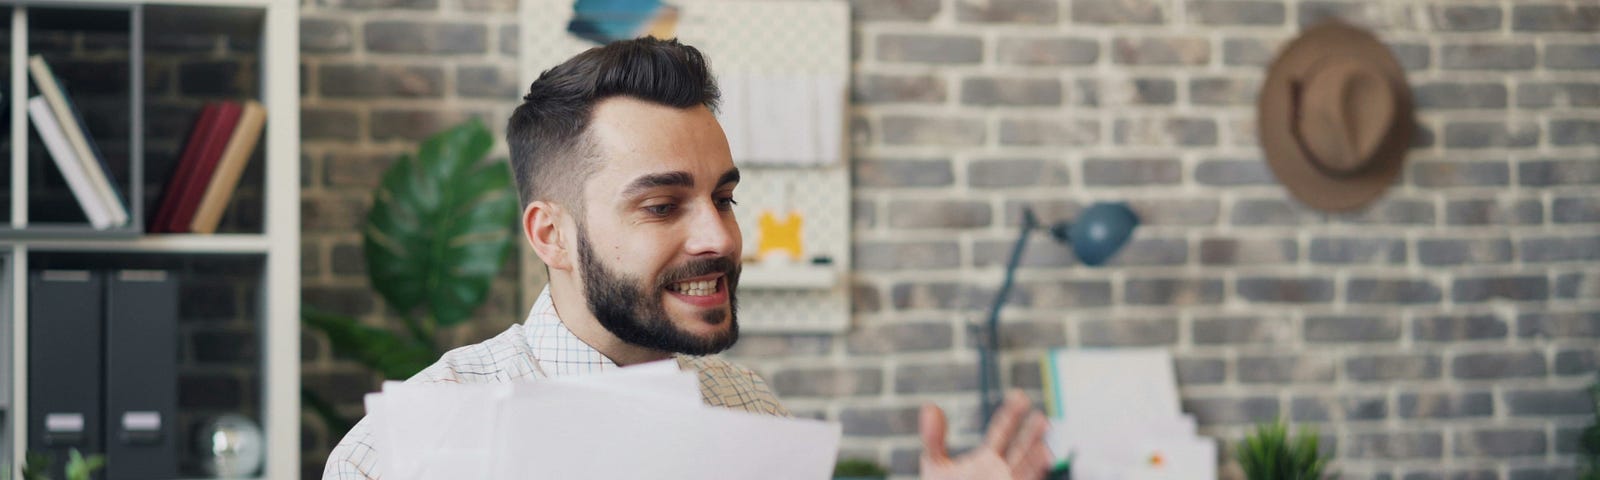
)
(1344, 112)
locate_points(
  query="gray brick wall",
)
(1445, 332)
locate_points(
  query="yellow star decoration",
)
(779, 236)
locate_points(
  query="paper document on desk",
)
(645, 421)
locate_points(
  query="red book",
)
(194, 187)
(185, 168)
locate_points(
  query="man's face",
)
(658, 247)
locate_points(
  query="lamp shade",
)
(1100, 231)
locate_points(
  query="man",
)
(627, 187)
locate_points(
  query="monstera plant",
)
(440, 229)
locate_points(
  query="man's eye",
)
(726, 203)
(661, 210)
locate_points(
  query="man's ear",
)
(541, 225)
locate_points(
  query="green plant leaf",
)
(397, 358)
(36, 466)
(80, 467)
(440, 226)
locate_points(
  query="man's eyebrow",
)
(655, 180)
(732, 176)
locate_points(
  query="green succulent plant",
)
(1591, 439)
(37, 466)
(858, 468)
(1270, 454)
(439, 230)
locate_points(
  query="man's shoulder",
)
(727, 384)
(501, 358)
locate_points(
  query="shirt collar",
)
(557, 350)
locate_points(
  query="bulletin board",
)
(783, 67)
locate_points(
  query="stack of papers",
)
(644, 421)
(1115, 415)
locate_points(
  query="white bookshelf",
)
(277, 244)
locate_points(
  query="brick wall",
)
(1446, 331)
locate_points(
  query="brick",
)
(870, 255)
(863, 214)
(214, 391)
(310, 261)
(1555, 18)
(1543, 473)
(1458, 328)
(351, 301)
(1173, 292)
(412, 124)
(1396, 445)
(1473, 212)
(1223, 91)
(1246, 52)
(1463, 251)
(879, 421)
(1488, 56)
(1167, 131)
(1392, 367)
(1140, 91)
(1569, 440)
(900, 173)
(486, 81)
(1152, 252)
(1559, 325)
(1049, 212)
(225, 347)
(1018, 172)
(1235, 330)
(207, 78)
(1232, 172)
(893, 10)
(383, 4)
(936, 378)
(946, 295)
(1118, 12)
(330, 124)
(1575, 209)
(1212, 411)
(1576, 362)
(1453, 475)
(348, 259)
(207, 301)
(1020, 334)
(909, 214)
(378, 81)
(933, 132)
(1446, 405)
(1577, 285)
(864, 298)
(1454, 95)
(1559, 249)
(397, 36)
(1187, 212)
(1008, 11)
(1236, 12)
(1369, 250)
(1460, 174)
(1048, 132)
(1557, 95)
(1034, 255)
(509, 40)
(891, 89)
(770, 346)
(1338, 408)
(1101, 171)
(1360, 14)
(1015, 92)
(1128, 332)
(1067, 294)
(1200, 371)
(321, 35)
(1269, 211)
(331, 214)
(1392, 291)
(1465, 18)
(1284, 369)
(934, 49)
(827, 382)
(1505, 287)
(1574, 132)
(1286, 289)
(1047, 51)
(1391, 211)
(1550, 401)
(1173, 51)
(1347, 328)
(1248, 251)
(1551, 172)
(1498, 365)
(1508, 442)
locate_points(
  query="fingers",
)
(932, 426)
(1032, 435)
(1036, 464)
(1003, 426)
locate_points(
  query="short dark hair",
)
(550, 155)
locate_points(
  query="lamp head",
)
(1099, 233)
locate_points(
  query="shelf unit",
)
(274, 245)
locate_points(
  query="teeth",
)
(696, 289)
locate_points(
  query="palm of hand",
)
(1008, 452)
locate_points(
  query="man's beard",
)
(632, 309)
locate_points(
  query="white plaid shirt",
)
(543, 347)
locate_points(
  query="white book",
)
(74, 132)
(66, 160)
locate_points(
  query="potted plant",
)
(37, 466)
(1270, 454)
(440, 228)
(1591, 440)
(858, 469)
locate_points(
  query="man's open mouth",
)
(697, 288)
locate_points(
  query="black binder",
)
(64, 364)
(141, 375)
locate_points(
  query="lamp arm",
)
(989, 348)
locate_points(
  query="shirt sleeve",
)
(356, 456)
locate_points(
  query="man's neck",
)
(574, 312)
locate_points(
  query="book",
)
(72, 128)
(183, 170)
(205, 164)
(49, 131)
(241, 146)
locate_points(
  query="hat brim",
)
(1302, 178)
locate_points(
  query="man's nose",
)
(711, 233)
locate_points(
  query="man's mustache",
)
(697, 268)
